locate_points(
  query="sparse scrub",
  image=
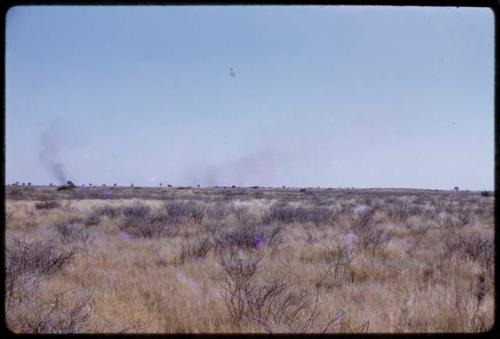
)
(243, 215)
(270, 305)
(252, 260)
(181, 212)
(41, 258)
(56, 315)
(107, 211)
(369, 236)
(288, 214)
(195, 250)
(27, 264)
(218, 212)
(136, 211)
(93, 219)
(150, 229)
(46, 205)
(74, 232)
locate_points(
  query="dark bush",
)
(180, 212)
(238, 277)
(242, 214)
(28, 313)
(369, 237)
(218, 212)
(288, 214)
(108, 211)
(399, 211)
(269, 305)
(36, 258)
(136, 211)
(464, 216)
(242, 237)
(481, 250)
(162, 223)
(92, 220)
(73, 233)
(144, 228)
(195, 249)
(47, 205)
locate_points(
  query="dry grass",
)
(248, 260)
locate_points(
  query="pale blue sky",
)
(323, 96)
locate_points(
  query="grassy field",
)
(168, 260)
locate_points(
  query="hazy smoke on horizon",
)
(264, 167)
(49, 154)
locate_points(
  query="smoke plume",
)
(261, 167)
(50, 154)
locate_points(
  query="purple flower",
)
(124, 235)
(257, 241)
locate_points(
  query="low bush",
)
(268, 305)
(47, 205)
(180, 212)
(26, 312)
(136, 211)
(369, 236)
(73, 232)
(288, 214)
(219, 212)
(242, 214)
(195, 250)
(39, 258)
(146, 228)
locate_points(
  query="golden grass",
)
(408, 284)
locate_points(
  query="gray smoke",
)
(262, 167)
(50, 154)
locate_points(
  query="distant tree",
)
(485, 194)
(198, 185)
(283, 186)
(131, 185)
(29, 184)
(23, 184)
(70, 183)
(51, 184)
(90, 184)
(169, 185)
(456, 188)
(161, 184)
(233, 186)
(103, 185)
(114, 185)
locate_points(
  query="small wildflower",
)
(257, 241)
(124, 236)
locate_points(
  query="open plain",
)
(233, 260)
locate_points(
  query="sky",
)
(328, 96)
